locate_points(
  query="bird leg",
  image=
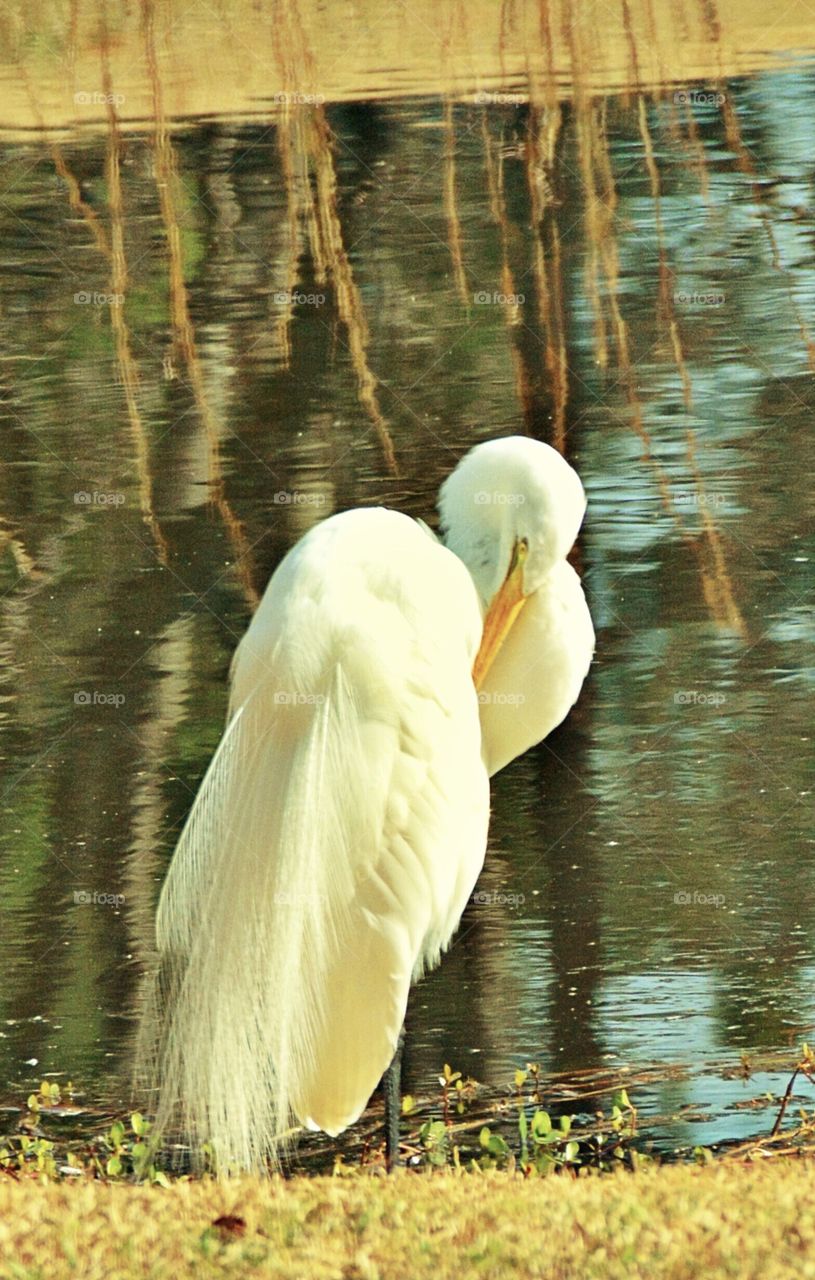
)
(391, 1088)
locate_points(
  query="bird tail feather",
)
(253, 909)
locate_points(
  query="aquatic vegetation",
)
(460, 1129)
(531, 1141)
(119, 1152)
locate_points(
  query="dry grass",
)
(738, 1220)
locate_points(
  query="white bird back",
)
(336, 838)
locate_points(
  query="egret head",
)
(510, 511)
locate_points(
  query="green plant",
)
(456, 1092)
(435, 1142)
(542, 1147)
(125, 1153)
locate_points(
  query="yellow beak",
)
(504, 608)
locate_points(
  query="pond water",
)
(217, 331)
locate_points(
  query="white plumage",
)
(342, 824)
(520, 488)
(539, 670)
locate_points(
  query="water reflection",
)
(215, 336)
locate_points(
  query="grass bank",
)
(745, 1220)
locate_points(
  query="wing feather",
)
(335, 839)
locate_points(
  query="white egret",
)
(342, 823)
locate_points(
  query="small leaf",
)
(541, 1125)
(432, 1132)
